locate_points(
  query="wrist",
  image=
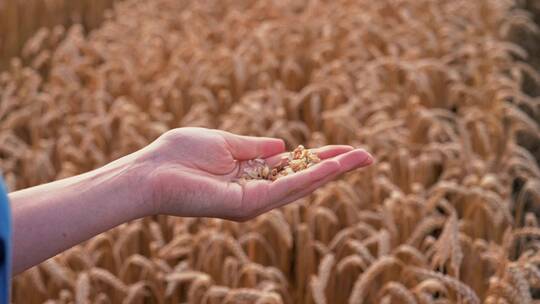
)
(127, 179)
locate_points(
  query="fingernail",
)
(368, 160)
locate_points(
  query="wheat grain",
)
(107, 278)
(319, 283)
(82, 289)
(359, 291)
(432, 287)
(468, 294)
(58, 272)
(136, 291)
(448, 246)
(517, 277)
(399, 291)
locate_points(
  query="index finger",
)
(250, 147)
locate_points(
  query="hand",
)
(194, 172)
(185, 172)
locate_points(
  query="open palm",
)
(194, 173)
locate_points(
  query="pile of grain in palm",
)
(448, 214)
(297, 160)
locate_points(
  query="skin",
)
(189, 172)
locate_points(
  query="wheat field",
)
(447, 214)
(20, 20)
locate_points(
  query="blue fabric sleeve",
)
(5, 245)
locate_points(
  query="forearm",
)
(50, 218)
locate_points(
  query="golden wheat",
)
(431, 88)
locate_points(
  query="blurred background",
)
(444, 93)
